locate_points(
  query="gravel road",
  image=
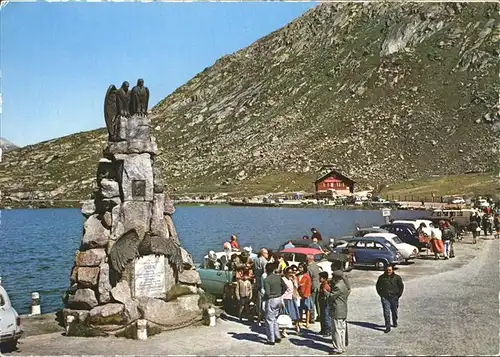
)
(454, 312)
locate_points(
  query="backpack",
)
(447, 234)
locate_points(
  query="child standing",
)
(244, 294)
(324, 307)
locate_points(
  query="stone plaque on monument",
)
(138, 188)
(149, 272)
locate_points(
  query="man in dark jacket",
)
(390, 287)
(274, 288)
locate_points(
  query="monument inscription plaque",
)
(149, 273)
(138, 188)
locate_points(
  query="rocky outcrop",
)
(384, 91)
(130, 249)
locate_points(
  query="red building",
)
(331, 180)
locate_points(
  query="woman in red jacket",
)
(235, 246)
(305, 286)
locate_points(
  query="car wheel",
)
(380, 264)
(9, 346)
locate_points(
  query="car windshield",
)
(397, 240)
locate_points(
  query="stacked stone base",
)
(130, 218)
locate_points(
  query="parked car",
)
(364, 231)
(458, 201)
(407, 251)
(483, 203)
(372, 251)
(406, 232)
(214, 277)
(295, 256)
(10, 323)
(416, 222)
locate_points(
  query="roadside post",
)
(386, 213)
(142, 329)
(35, 304)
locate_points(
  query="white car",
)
(416, 222)
(406, 250)
(483, 203)
(10, 323)
(458, 201)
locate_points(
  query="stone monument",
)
(130, 264)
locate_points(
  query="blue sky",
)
(58, 59)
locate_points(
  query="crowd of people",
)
(487, 222)
(441, 238)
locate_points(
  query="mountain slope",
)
(386, 92)
(6, 145)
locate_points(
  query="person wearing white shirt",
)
(437, 242)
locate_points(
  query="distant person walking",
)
(390, 287)
(274, 288)
(259, 269)
(316, 234)
(496, 223)
(474, 228)
(337, 300)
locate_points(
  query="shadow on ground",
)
(369, 325)
(245, 336)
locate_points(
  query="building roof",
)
(327, 170)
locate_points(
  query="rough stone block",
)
(158, 182)
(171, 227)
(169, 206)
(95, 234)
(175, 312)
(191, 277)
(73, 277)
(136, 167)
(88, 276)
(141, 147)
(83, 299)
(132, 214)
(109, 188)
(90, 258)
(109, 314)
(107, 220)
(122, 293)
(104, 286)
(88, 208)
(187, 259)
(80, 315)
(120, 147)
(158, 225)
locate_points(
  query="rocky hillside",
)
(385, 91)
(6, 145)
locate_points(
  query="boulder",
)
(83, 299)
(176, 312)
(190, 277)
(73, 277)
(109, 314)
(171, 228)
(88, 276)
(114, 148)
(104, 286)
(158, 226)
(121, 293)
(107, 220)
(80, 315)
(90, 258)
(136, 167)
(95, 234)
(169, 206)
(88, 208)
(158, 182)
(187, 259)
(132, 214)
(109, 188)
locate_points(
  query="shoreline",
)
(410, 206)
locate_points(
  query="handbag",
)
(284, 321)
